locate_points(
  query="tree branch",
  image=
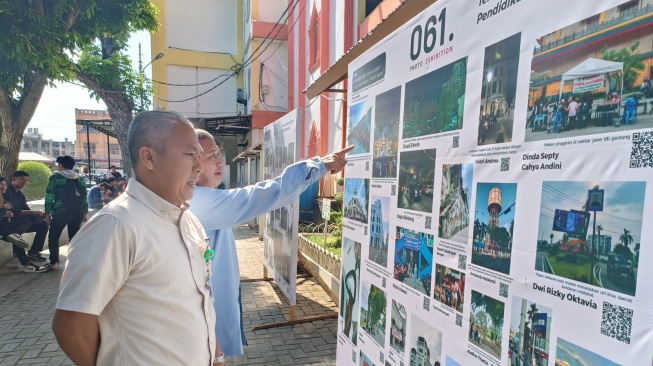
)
(39, 8)
(34, 86)
(72, 15)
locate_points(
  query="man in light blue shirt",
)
(96, 196)
(220, 210)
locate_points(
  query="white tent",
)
(591, 67)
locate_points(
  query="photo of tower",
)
(424, 343)
(356, 199)
(379, 230)
(494, 225)
(386, 133)
(358, 129)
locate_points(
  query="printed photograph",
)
(591, 232)
(373, 312)
(359, 128)
(494, 225)
(530, 333)
(398, 320)
(435, 102)
(500, 68)
(585, 80)
(569, 354)
(449, 287)
(425, 343)
(455, 196)
(356, 199)
(416, 173)
(350, 288)
(486, 323)
(364, 360)
(379, 230)
(386, 133)
(451, 362)
(414, 259)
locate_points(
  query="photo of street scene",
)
(569, 354)
(424, 342)
(587, 81)
(359, 128)
(416, 172)
(435, 102)
(449, 287)
(364, 360)
(530, 333)
(373, 309)
(386, 133)
(454, 202)
(498, 92)
(398, 321)
(414, 259)
(356, 199)
(486, 323)
(350, 289)
(494, 225)
(451, 362)
(594, 247)
(379, 230)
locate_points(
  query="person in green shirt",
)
(65, 205)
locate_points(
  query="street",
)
(503, 127)
(542, 264)
(424, 205)
(379, 256)
(643, 121)
(615, 284)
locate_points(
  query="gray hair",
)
(152, 129)
(203, 135)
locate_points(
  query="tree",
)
(40, 44)
(551, 237)
(626, 238)
(632, 62)
(377, 302)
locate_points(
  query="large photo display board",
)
(495, 202)
(280, 236)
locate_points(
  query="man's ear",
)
(146, 157)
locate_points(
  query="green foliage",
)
(338, 197)
(626, 239)
(492, 307)
(39, 174)
(377, 302)
(632, 62)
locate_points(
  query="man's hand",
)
(85, 218)
(9, 214)
(47, 218)
(335, 162)
(7, 206)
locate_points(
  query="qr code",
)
(426, 304)
(462, 261)
(456, 141)
(365, 230)
(383, 282)
(505, 164)
(459, 320)
(393, 190)
(381, 357)
(641, 153)
(617, 322)
(503, 290)
(427, 222)
(367, 166)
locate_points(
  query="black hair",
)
(20, 173)
(67, 161)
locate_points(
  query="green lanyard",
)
(209, 254)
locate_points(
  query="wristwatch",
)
(219, 359)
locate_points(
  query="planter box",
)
(323, 265)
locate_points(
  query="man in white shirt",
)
(136, 289)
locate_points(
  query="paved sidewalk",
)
(27, 304)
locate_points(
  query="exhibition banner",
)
(493, 214)
(280, 149)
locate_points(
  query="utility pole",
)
(140, 79)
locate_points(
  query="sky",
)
(433, 337)
(569, 354)
(55, 114)
(361, 190)
(515, 313)
(623, 207)
(508, 195)
(385, 212)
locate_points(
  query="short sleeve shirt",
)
(139, 265)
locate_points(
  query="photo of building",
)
(386, 133)
(379, 230)
(358, 130)
(398, 321)
(424, 343)
(434, 102)
(500, 68)
(373, 312)
(530, 333)
(593, 76)
(494, 225)
(416, 172)
(356, 199)
(600, 248)
(413, 260)
(455, 190)
(364, 360)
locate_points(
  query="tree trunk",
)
(14, 119)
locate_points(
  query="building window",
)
(629, 7)
(114, 149)
(592, 21)
(314, 38)
(370, 5)
(92, 148)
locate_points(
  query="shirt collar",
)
(158, 205)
